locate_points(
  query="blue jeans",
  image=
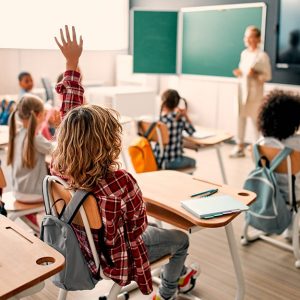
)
(161, 242)
(181, 162)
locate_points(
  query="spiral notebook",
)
(213, 206)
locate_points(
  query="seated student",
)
(27, 150)
(279, 118)
(176, 120)
(25, 83)
(92, 134)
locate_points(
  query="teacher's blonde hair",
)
(255, 30)
(88, 146)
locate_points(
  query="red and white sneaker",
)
(187, 281)
(157, 296)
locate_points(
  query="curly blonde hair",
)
(88, 146)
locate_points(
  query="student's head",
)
(30, 110)
(252, 37)
(170, 100)
(88, 145)
(25, 81)
(279, 115)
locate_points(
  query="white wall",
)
(95, 66)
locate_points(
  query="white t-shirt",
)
(27, 183)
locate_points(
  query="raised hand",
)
(70, 48)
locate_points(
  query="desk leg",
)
(236, 262)
(217, 147)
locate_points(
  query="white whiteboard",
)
(32, 24)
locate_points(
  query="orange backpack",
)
(141, 154)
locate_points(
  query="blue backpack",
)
(5, 111)
(270, 212)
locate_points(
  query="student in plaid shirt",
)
(177, 121)
(88, 146)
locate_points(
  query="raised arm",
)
(70, 88)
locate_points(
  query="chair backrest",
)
(2, 179)
(271, 152)
(48, 88)
(161, 130)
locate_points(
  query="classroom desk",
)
(22, 260)
(163, 191)
(215, 141)
(132, 101)
(3, 136)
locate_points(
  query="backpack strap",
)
(46, 195)
(259, 158)
(284, 153)
(149, 130)
(73, 206)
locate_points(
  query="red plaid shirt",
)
(122, 210)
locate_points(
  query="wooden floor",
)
(269, 272)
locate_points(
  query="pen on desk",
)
(205, 193)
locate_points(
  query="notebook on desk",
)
(201, 134)
(213, 206)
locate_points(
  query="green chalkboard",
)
(154, 41)
(212, 40)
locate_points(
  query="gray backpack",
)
(269, 213)
(57, 232)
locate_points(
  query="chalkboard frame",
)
(180, 29)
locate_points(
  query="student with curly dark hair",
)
(279, 116)
(279, 121)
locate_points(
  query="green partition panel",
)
(154, 41)
(212, 40)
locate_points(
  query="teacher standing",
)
(254, 69)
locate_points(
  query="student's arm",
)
(42, 145)
(70, 88)
(188, 126)
(135, 210)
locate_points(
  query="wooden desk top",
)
(163, 191)
(219, 137)
(21, 259)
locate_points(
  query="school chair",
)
(160, 136)
(18, 209)
(289, 166)
(48, 88)
(89, 217)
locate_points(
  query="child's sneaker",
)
(187, 281)
(237, 152)
(157, 296)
